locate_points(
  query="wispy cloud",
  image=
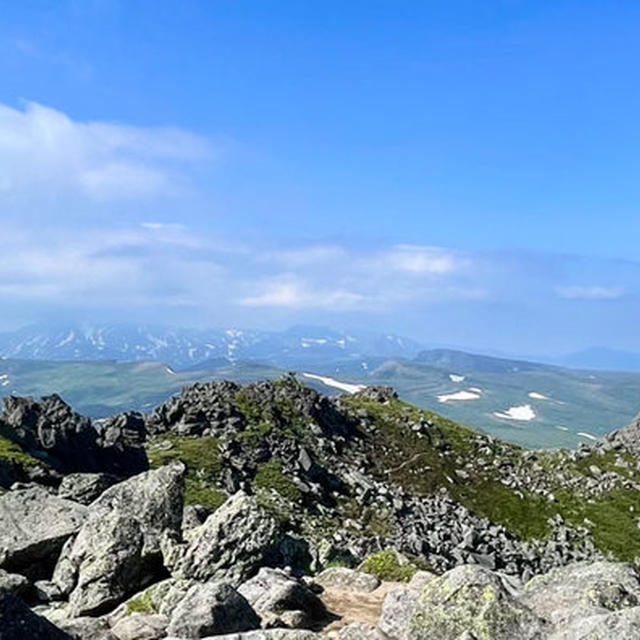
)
(594, 292)
(45, 152)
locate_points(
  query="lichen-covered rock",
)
(85, 487)
(397, 610)
(348, 579)
(420, 579)
(581, 590)
(232, 542)
(618, 625)
(472, 598)
(118, 549)
(212, 608)
(34, 525)
(141, 626)
(360, 631)
(18, 622)
(273, 591)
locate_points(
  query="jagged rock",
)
(582, 590)
(71, 441)
(360, 631)
(85, 487)
(18, 622)
(13, 582)
(231, 543)
(621, 625)
(141, 626)
(273, 591)
(348, 579)
(86, 628)
(118, 549)
(192, 517)
(212, 608)
(397, 610)
(34, 525)
(474, 599)
(47, 591)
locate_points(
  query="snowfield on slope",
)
(524, 413)
(336, 384)
(458, 395)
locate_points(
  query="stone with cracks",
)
(212, 608)
(232, 542)
(118, 549)
(34, 526)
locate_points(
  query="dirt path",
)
(351, 606)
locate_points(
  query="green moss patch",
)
(270, 476)
(386, 566)
(202, 459)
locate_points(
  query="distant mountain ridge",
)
(183, 348)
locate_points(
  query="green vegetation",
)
(12, 453)
(386, 566)
(141, 604)
(202, 459)
(270, 476)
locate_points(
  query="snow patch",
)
(586, 435)
(456, 378)
(336, 384)
(523, 413)
(458, 395)
(475, 389)
(562, 428)
(534, 395)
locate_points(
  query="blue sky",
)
(463, 172)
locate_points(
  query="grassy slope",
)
(614, 515)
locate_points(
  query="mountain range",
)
(112, 368)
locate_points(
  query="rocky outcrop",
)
(34, 525)
(212, 608)
(118, 549)
(70, 441)
(232, 543)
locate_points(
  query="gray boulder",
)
(360, 631)
(86, 628)
(18, 622)
(474, 599)
(581, 590)
(212, 608)
(232, 542)
(34, 525)
(619, 625)
(13, 582)
(266, 634)
(141, 626)
(397, 610)
(347, 579)
(118, 549)
(85, 487)
(273, 591)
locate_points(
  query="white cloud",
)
(421, 260)
(589, 292)
(293, 293)
(45, 152)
